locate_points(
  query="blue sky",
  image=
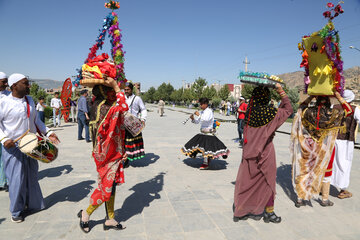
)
(169, 40)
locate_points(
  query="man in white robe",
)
(3, 93)
(17, 115)
(344, 150)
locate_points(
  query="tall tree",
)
(198, 87)
(209, 92)
(224, 92)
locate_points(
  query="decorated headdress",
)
(259, 78)
(98, 68)
(321, 57)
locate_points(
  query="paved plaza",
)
(166, 196)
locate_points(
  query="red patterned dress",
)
(109, 148)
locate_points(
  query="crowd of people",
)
(321, 146)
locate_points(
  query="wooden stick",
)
(18, 139)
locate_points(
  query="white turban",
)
(14, 78)
(349, 96)
(2, 75)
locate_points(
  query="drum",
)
(133, 124)
(38, 148)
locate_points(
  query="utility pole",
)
(246, 62)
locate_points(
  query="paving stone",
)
(165, 196)
(197, 222)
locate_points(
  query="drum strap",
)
(28, 115)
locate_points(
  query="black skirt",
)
(207, 145)
(134, 146)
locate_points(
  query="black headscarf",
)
(259, 110)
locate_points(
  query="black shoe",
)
(271, 217)
(88, 141)
(83, 225)
(18, 219)
(81, 138)
(116, 227)
(251, 216)
(300, 204)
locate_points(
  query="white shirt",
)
(206, 119)
(137, 108)
(55, 103)
(39, 107)
(14, 121)
(4, 93)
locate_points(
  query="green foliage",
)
(294, 98)
(188, 95)
(36, 92)
(176, 95)
(246, 91)
(198, 87)
(48, 112)
(149, 96)
(209, 92)
(224, 92)
(216, 101)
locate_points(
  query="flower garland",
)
(331, 48)
(110, 25)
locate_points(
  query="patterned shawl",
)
(313, 136)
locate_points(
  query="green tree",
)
(198, 87)
(187, 95)
(209, 92)
(149, 95)
(224, 92)
(294, 97)
(216, 101)
(34, 90)
(164, 91)
(176, 95)
(246, 91)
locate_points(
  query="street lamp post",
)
(352, 47)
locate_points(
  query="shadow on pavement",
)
(1, 220)
(149, 158)
(73, 193)
(55, 172)
(144, 194)
(215, 164)
(284, 180)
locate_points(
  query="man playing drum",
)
(134, 145)
(17, 116)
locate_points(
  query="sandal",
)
(344, 194)
(326, 203)
(300, 203)
(83, 225)
(116, 227)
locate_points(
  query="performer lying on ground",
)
(205, 142)
(344, 149)
(256, 178)
(312, 142)
(109, 151)
(17, 115)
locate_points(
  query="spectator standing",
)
(83, 116)
(56, 105)
(241, 117)
(40, 107)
